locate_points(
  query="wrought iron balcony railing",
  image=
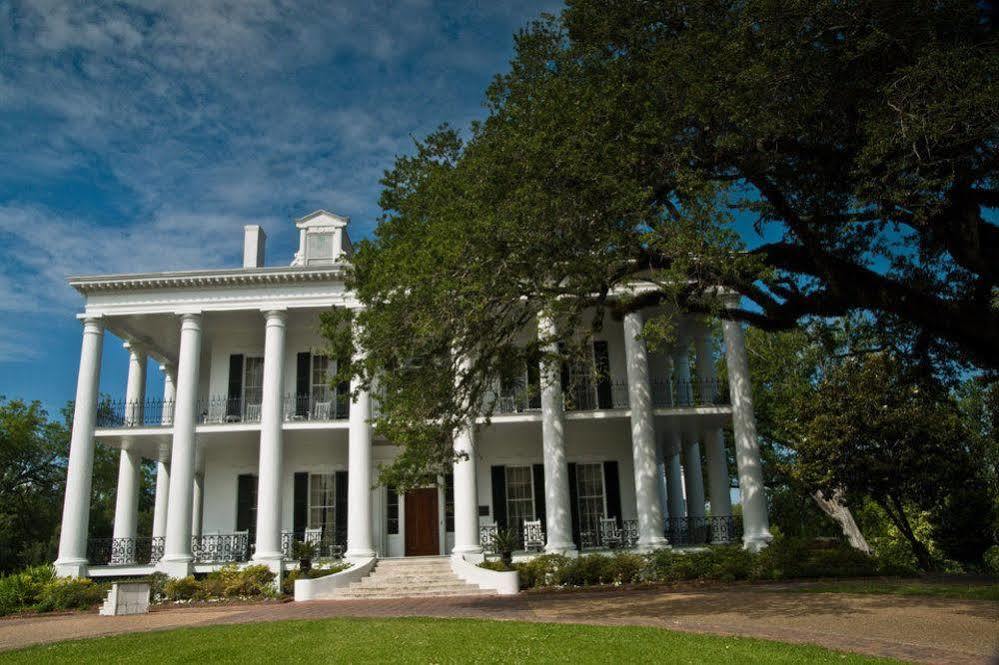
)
(703, 530)
(614, 395)
(121, 413)
(124, 551)
(327, 544)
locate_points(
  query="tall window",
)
(322, 502)
(590, 485)
(321, 391)
(519, 495)
(449, 502)
(253, 382)
(318, 248)
(391, 510)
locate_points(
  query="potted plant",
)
(504, 542)
(303, 552)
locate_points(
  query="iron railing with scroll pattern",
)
(114, 414)
(124, 551)
(703, 530)
(329, 545)
(221, 547)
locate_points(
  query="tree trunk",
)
(840, 513)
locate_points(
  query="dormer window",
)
(319, 248)
(323, 239)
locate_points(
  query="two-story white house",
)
(254, 446)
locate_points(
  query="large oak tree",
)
(635, 139)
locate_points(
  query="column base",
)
(565, 549)
(71, 568)
(468, 554)
(359, 554)
(175, 568)
(757, 542)
(654, 543)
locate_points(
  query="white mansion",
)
(254, 447)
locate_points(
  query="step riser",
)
(412, 578)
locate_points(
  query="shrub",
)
(990, 561)
(251, 581)
(19, 591)
(544, 570)
(288, 583)
(498, 566)
(588, 569)
(66, 593)
(627, 568)
(157, 582)
(184, 588)
(788, 558)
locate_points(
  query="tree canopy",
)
(638, 140)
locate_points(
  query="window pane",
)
(590, 485)
(322, 498)
(519, 495)
(253, 383)
(319, 246)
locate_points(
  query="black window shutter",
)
(612, 490)
(539, 493)
(302, 383)
(246, 503)
(574, 504)
(234, 405)
(499, 495)
(300, 519)
(341, 507)
(342, 393)
(601, 358)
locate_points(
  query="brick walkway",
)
(919, 629)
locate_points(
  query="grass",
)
(964, 590)
(423, 640)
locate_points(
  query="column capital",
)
(275, 315)
(135, 348)
(169, 369)
(92, 323)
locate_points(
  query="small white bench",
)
(126, 598)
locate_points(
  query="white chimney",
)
(254, 240)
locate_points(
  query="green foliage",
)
(20, 591)
(288, 583)
(182, 588)
(504, 541)
(990, 561)
(65, 593)
(785, 558)
(302, 550)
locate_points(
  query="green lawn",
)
(421, 640)
(963, 590)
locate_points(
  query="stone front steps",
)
(410, 578)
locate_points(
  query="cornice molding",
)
(206, 278)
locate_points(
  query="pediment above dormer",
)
(323, 239)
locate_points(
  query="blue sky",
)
(141, 136)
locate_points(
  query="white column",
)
(360, 540)
(718, 483)
(197, 503)
(558, 515)
(72, 561)
(692, 474)
(161, 507)
(466, 492)
(714, 442)
(162, 504)
(755, 523)
(661, 471)
(126, 511)
(135, 388)
(643, 435)
(169, 393)
(269, 469)
(177, 558)
(674, 475)
(693, 477)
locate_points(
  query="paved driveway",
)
(920, 629)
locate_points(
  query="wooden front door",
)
(422, 533)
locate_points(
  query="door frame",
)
(436, 521)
